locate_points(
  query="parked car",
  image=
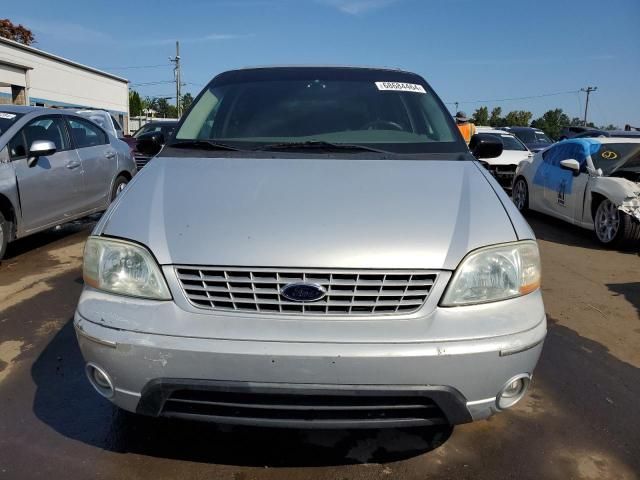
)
(609, 133)
(535, 139)
(570, 132)
(55, 166)
(104, 119)
(592, 183)
(313, 247)
(163, 126)
(514, 151)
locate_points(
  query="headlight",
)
(495, 273)
(122, 267)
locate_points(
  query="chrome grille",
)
(141, 161)
(349, 292)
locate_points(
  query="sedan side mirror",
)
(150, 143)
(40, 148)
(485, 147)
(571, 164)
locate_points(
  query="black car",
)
(535, 139)
(573, 131)
(608, 133)
(163, 126)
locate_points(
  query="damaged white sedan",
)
(591, 182)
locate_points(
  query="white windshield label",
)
(401, 87)
(8, 116)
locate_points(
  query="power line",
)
(134, 67)
(514, 98)
(146, 84)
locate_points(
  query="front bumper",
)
(456, 381)
(504, 174)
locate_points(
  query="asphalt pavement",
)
(581, 420)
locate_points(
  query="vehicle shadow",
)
(35, 241)
(630, 291)
(66, 402)
(555, 230)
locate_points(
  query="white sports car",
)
(591, 182)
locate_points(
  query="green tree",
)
(17, 33)
(495, 120)
(552, 122)
(163, 108)
(481, 116)
(186, 101)
(151, 103)
(578, 122)
(136, 105)
(518, 118)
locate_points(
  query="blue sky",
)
(468, 50)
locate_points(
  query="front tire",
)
(614, 227)
(5, 231)
(520, 194)
(118, 186)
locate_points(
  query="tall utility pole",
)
(588, 90)
(176, 72)
(456, 107)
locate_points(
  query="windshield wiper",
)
(203, 145)
(319, 145)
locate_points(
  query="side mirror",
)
(485, 147)
(150, 143)
(40, 148)
(570, 164)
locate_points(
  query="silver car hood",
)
(313, 213)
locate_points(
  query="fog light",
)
(513, 391)
(100, 380)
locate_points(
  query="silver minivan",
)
(55, 167)
(313, 247)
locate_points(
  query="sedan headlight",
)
(124, 268)
(495, 273)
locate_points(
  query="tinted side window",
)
(47, 128)
(17, 147)
(86, 134)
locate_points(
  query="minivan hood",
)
(310, 212)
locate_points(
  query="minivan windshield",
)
(390, 111)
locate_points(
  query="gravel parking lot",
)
(579, 421)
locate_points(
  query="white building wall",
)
(54, 80)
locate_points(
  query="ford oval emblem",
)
(303, 292)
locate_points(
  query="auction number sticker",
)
(8, 116)
(401, 87)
